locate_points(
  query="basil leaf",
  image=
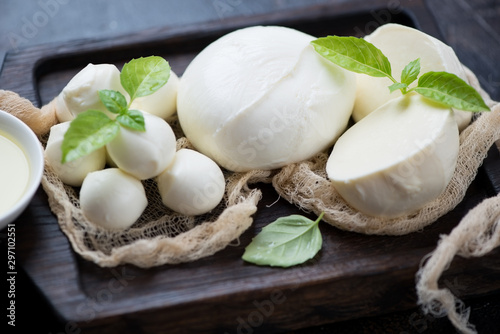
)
(144, 76)
(132, 119)
(113, 101)
(450, 90)
(354, 54)
(286, 242)
(411, 72)
(88, 132)
(396, 86)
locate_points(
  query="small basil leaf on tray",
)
(286, 242)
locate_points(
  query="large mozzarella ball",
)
(192, 185)
(81, 92)
(402, 45)
(73, 172)
(144, 154)
(261, 98)
(163, 102)
(112, 198)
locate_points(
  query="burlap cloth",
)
(161, 236)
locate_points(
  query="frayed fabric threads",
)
(160, 236)
(477, 234)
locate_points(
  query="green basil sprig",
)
(93, 129)
(360, 56)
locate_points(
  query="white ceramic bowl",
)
(29, 143)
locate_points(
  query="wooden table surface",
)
(471, 27)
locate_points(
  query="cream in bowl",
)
(21, 167)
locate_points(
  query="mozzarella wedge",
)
(402, 45)
(396, 159)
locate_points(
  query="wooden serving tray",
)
(354, 275)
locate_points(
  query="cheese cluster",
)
(114, 197)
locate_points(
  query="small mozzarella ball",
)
(192, 185)
(163, 102)
(144, 154)
(73, 172)
(81, 92)
(112, 198)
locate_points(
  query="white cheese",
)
(163, 102)
(192, 185)
(73, 172)
(112, 198)
(396, 159)
(402, 45)
(62, 112)
(143, 154)
(81, 92)
(261, 98)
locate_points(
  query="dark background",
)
(471, 27)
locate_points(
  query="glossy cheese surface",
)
(396, 159)
(261, 98)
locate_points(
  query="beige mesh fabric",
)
(39, 120)
(160, 236)
(305, 184)
(477, 234)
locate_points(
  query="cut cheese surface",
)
(260, 98)
(402, 45)
(396, 159)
